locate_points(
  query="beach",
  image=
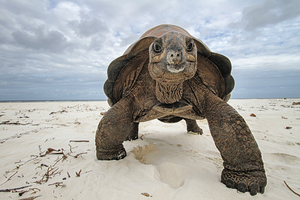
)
(48, 152)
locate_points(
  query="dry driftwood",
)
(21, 192)
(13, 123)
(60, 112)
(51, 151)
(291, 189)
(146, 194)
(10, 177)
(58, 184)
(79, 141)
(78, 173)
(31, 198)
(13, 189)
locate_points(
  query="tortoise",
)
(170, 75)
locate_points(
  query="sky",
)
(60, 50)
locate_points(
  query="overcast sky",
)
(60, 50)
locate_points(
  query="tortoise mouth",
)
(176, 68)
(172, 73)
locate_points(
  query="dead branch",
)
(70, 148)
(146, 194)
(44, 165)
(60, 112)
(76, 156)
(31, 198)
(51, 151)
(9, 178)
(13, 123)
(79, 141)
(58, 184)
(12, 189)
(77, 122)
(21, 192)
(291, 189)
(78, 173)
(51, 171)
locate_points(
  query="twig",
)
(9, 178)
(70, 148)
(57, 184)
(64, 157)
(35, 190)
(19, 188)
(51, 171)
(79, 141)
(77, 122)
(291, 189)
(78, 173)
(146, 194)
(51, 151)
(12, 123)
(76, 156)
(57, 161)
(31, 198)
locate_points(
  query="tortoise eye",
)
(189, 45)
(157, 47)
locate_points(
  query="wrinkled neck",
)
(168, 93)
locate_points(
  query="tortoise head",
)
(172, 58)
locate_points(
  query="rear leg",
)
(192, 126)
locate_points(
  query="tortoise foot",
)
(192, 127)
(134, 129)
(132, 137)
(195, 130)
(253, 181)
(112, 154)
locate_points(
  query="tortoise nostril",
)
(174, 57)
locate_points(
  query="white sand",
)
(169, 163)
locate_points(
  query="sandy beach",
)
(48, 152)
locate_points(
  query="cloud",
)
(268, 12)
(52, 49)
(39, 39)
(87, 28)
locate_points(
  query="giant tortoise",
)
(170, 75)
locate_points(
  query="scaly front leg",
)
(243, 165)
(113, 129)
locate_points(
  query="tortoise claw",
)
(229, 183)
(242, 187)
(262, 190)
(253, 189)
